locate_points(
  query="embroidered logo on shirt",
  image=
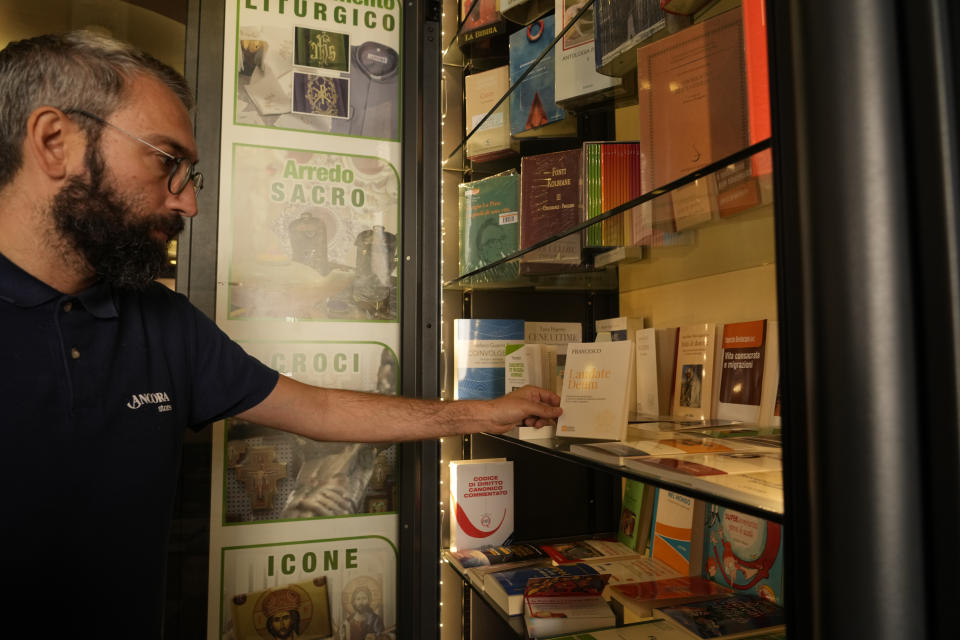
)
(161, 399)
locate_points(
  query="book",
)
(482, 91)
(694, 372)
(524, 11)
(621, 328)
(655, 629)
(481, 503)
(493, 555)
(655, 353)
(695, 203)
(687, 469)
(663, 444)
(558, 334)
(744, 553)
(549, 205)
(758, 84)
(692, 105)
(587, 550)
(610, 171)
(676, 535)
(506, 588)
(531, 364)
(738, 616)
(636, 508)
(565, 604)
(533, 108)
(481, 21)
(618, 255)
(623, 26)
(748, 367)
(738, 189)
(577, 82)
(597, 385)
(489, 225)
(479, 356)
(633, 569)
(638, 599)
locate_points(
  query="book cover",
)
(737, 188)
(575, 76)
(635, 510)
(758, 81)
(506, 588)
(748, 362)
(744, 553)
(533, 108)
(256, 614)
(624, 25)
(762, 489)
(695, 203)
(638, 599)
(479, 356)
(587, 549)
(676, 530)
(550, 204)
(621, 328)
(734, 617)
(489, 225)
(648, 379)
(481, 503)
(565, 604)
(685, 468)
(481, 21)
(597, 385)
(694, 372)
(494, 555)
(523, 365)
(691, 96)
(482, 91)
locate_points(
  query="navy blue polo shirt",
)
(97, 389)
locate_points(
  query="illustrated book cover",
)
(749, 367)
(576, 78)
(744, 553)
(481, 503)
(566, 604)
(694, 375)
(506, 588)
(735, 617)
(677, 531)
(533, 108)
(490, 225)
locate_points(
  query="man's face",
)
(361, 603)
(118, 214)
(282, 624)
(123, 243)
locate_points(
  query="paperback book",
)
(531, 364)
(506, 588)
(533, 108)
(479, 356)
(612, 177)
(744, 553)
(549, 205)
(524, 11)
(624, 25)
(588, 549)
(656, 363)
(490, 225)
(694, 374)
(735, 617)
(597, 387)
(749, 367)
(481, 503)
(481, 21)
(692, 105)
(558, 334)
(635, 512)
(565, 604)
(494, 555)
(677, 531)
(639, 599)
(576, 78)
(489, 135)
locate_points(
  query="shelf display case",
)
(691, 242)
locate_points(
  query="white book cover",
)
(597, 388)
(574, 72)
(558, 334)
(620, 328)
(524, 365)
(693, 382)
(481, 502)
(748, 377)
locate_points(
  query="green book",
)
(490, 225)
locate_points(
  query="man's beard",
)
(102, 226)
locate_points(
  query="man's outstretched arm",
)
(352, 416)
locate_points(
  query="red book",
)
(638, 599)
(758, 80)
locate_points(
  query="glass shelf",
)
(724, 493)
(533, 265)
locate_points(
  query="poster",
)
(304, 534)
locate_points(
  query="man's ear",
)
(53, 143)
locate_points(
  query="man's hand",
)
(528, 406)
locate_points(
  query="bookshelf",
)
(721, 268)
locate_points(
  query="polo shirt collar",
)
(22, 289)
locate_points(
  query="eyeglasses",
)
(182, 171)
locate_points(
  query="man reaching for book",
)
(105, 368)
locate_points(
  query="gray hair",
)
(80, 70)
